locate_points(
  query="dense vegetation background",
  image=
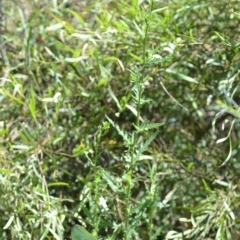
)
(121, 116)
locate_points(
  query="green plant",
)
(80, 233)
(83, 88)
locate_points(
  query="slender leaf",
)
(80, 233)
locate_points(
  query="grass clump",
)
(121, 117)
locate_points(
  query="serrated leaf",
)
(124, 134)
(146, 125)
(110, 180)
(145, 146)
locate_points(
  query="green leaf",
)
(181, 76)
(80, 233)
(146, 125)
(79, 18)
(32, 105)
(126, 137)
(144, 146)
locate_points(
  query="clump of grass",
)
(83, 97)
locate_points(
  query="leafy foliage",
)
(80, 233)
(121, 116)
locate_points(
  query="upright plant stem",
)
(140, 80)
(152, 211)
(96, 183)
